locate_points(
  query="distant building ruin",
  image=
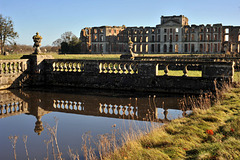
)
(173, 35)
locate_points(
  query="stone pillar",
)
(147, 69)
(219, 70)
(37, 67)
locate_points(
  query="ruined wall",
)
(173, 35)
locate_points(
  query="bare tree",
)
(7, 33)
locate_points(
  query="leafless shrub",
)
(53, 133)
(72, 155)
(47, 144)
(89, 152)
(25, 145)
(13, 140)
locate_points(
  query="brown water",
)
(25, 112)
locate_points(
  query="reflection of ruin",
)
(40, 103)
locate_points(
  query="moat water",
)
(27, 112)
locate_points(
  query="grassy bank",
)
(69, 56)
(212, 133)
(87, 56)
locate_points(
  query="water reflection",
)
(14, 103)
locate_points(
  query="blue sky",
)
(51, 18)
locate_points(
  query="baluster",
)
(61, 105)
(74, 67)
(7, 109)
(118, 68)
(1, 68)
(119, 110)
(5, 67)
(69, 67)
(73, 104)
(13, 67)
(165, 114)
(108, 68)
(15, 107)
(114, 69)
(115, 111)
(185, 71)
(104, 68)
(166, 70)
(66, 105)
(1, 110)
(123, 69)
(58, 66)
(82, 67)
(124, 110)
(131, 111)
(79, 106)
(20, 66)
(54, 66)
(109, 109)
(17, 67)
(134, 68)
(78, 69)
(100, 67)
(11, 107)
(23, 107)
(127, 66)
(61, 66)
(104, 108)
(65, 66)
(54, 104)
(100, 108)
(10, 67)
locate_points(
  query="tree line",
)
(68, 43)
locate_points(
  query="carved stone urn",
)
(37, 43)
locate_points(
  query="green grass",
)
(180, 73)
(11, 56)
(88, 56)
(187, 138)
(69, 56)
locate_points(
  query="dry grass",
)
(188, 137)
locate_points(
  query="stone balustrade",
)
(13, 66)
(142, 75)
(137, 75)
(13, 108)
(118, 67)
(217, 58)
(68, 66)
(13, 73)
(68, 105)
(118, 110)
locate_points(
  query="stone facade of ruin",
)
(173, 35)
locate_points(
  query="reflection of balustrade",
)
(68, 105)
(118, 67)
(118, 110)
(12, 108)
(13, 66)
(68, 66)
